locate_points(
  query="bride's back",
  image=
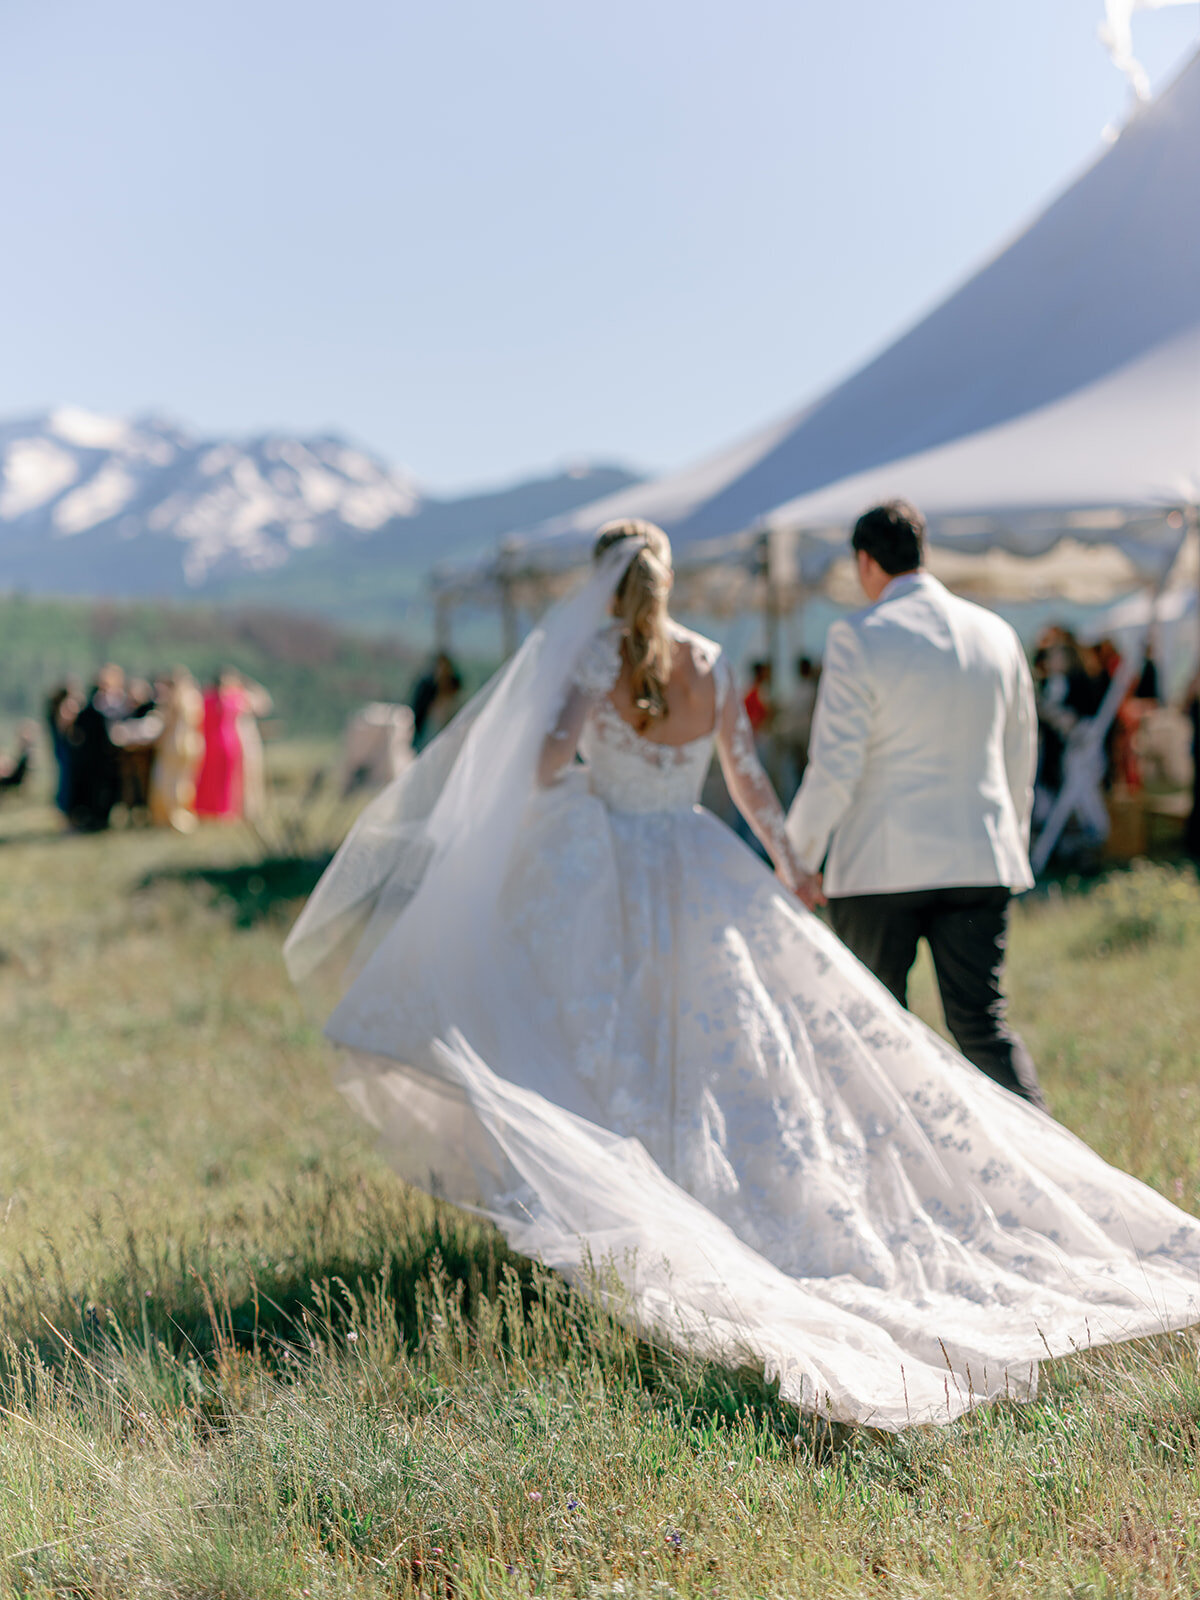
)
(690, 693)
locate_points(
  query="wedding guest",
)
(219, 783)
(111, 696)
(1141, 699)
(1066, 695)
(255, 704)
(135, 734)
(425, 692)
(435, 700)
(62, 705)
(179, 752)
(14, 770)
(1147, 685)
(758, 698)
(1109, 653)
(95, 778)
(1191, 705)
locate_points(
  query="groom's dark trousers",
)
(967, 931)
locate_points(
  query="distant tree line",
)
(316, 673)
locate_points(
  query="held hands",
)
(810, 890)
(806, 886)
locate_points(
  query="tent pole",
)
(508, 603)
(797, 645)
(443, 608)
(508, 618)
(770, 603)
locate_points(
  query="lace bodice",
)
(627, 771)
(630, 773)
(634, 774)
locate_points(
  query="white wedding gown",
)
(636, 1046)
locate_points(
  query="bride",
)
(572, 999)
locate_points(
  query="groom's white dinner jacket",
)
(924, 746)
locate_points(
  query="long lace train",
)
(592, 1013)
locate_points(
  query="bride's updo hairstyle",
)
(641, 604)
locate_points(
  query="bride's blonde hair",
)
(641, 604)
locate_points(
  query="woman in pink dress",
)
(219, 783)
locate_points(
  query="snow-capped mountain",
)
(95, 505)
(90, 502)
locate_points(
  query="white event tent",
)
(1045, 416)
(1083, 498)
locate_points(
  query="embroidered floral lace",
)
(642, 1049)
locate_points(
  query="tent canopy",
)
(1054, 396)
(1071, 362)
(1108, 470)
(1129, 441)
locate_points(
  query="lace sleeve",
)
(596, 672)
(599, 664)
(748, 784)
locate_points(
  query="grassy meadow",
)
(239, 1359)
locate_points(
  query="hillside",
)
(315, 673)
(379, 581)
(96, 505)
(93, 504)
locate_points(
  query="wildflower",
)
(535, 1494)
(352, 1336)
(675, 1539)
(572, 1504)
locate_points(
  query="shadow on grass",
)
(29, 836)
(254, 891)
(264, 1285)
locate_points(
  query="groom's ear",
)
(871, 576)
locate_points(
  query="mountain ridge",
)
(95, 505)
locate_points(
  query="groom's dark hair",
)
(894, 534)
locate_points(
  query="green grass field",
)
(238, 1358)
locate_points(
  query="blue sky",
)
(482, 239)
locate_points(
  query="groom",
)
(919, 788)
